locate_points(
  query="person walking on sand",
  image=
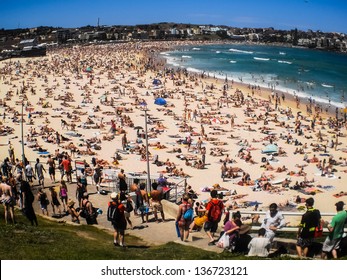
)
(336, 230)
(155, 202)
(51, 168)
(309, 221)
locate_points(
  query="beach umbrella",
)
(160, 101)
(89, 69)
(271, 148)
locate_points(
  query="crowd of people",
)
(235, 234)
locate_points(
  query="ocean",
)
(315, 74)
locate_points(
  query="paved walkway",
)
(153, 233)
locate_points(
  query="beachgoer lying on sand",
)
(281, 169)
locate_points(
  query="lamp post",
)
(22, 136)
(147, 154)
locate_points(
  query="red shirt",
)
(66, 164)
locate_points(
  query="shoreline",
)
(324, 103)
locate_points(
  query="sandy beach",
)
(89, 87)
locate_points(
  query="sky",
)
(324, 15)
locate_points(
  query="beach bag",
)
(224, 241)
(318, 231)
(215, 212)
(189, 214)
(113, 213)
(129, 206)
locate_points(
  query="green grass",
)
(52, 240)
(60, 241)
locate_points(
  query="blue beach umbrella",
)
(160, 101)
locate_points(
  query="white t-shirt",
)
(259, 246)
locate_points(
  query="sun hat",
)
(114, 195)
(70, 203)
(244, 229)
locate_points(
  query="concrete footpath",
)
(152, 233)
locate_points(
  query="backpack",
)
(129, 206)
(189, 214)
(113, 213)
(215, 211)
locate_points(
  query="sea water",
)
(315, 74)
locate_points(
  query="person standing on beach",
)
(155, 202)
(123, 186)
(336, 230)
(51, 168)
(11, 152)
(67, 168)
(97, 176)
(124, 141)
(309, 221)
(214, 211)
(39, 172)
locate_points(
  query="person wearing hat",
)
(115, 214)
(336, 230)
(309, 221)
(73, 211)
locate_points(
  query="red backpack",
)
(215, 211)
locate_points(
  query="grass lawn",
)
(52, 240)
(60, 241)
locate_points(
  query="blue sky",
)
(324, 15)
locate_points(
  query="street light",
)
(22, 136)
(147, 153)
